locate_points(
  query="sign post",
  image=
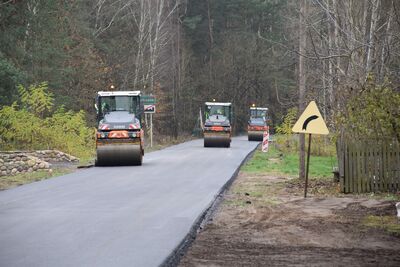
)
(265, 143)
(310, 122)
(151, 129)
(149, 103)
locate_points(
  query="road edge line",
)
(177, 254)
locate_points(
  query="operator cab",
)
(118, 110)
(218, 114)
(258, 115)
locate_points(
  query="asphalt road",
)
(115, 216)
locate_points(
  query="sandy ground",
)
(265, 221)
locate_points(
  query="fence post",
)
(342, 164)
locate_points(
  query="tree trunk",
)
(211, 40)
(371, 38)
(331, 38)
(302, 81)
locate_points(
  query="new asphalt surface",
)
(116, 216)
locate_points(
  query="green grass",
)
(7, 182)
(86, 161)
(288, 164)
(388, 223)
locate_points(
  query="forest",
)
(56, 54)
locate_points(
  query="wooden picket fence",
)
(369, 166)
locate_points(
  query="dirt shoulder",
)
(264, 221)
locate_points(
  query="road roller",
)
(119, 137)
(257, 123)
(217, 128)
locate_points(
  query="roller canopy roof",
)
(218, 104)
(119, 93)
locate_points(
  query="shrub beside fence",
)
(369, 166)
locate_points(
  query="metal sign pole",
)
(151, 129)
(308, 165)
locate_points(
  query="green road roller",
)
(217, 124)
(257, 123)
(119, 137)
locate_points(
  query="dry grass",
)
(7, 182)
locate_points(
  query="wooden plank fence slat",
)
(374, 169)
(355, 166)
(350, 182)
(362, 171)
(391, 167)
(385, 167)
(373, 174)
(398, 166)
(368, 166)
(359, 168)
(396, 163)
(351, 177)
(342, 164)
(346, 170)
(381, 168)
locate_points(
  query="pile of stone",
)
(53, 156)
(15, 163)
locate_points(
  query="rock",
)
(3, 168)
(50, 171)
(1, 161)
(35, 168)
(31, 163)
(30, 170)
(14, 171)
(3, 173)
(42, 165)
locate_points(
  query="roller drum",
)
(121, 154)
(217, 141)
(255, 135)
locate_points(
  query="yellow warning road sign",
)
(311, 121)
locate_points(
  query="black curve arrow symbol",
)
(307, 121)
